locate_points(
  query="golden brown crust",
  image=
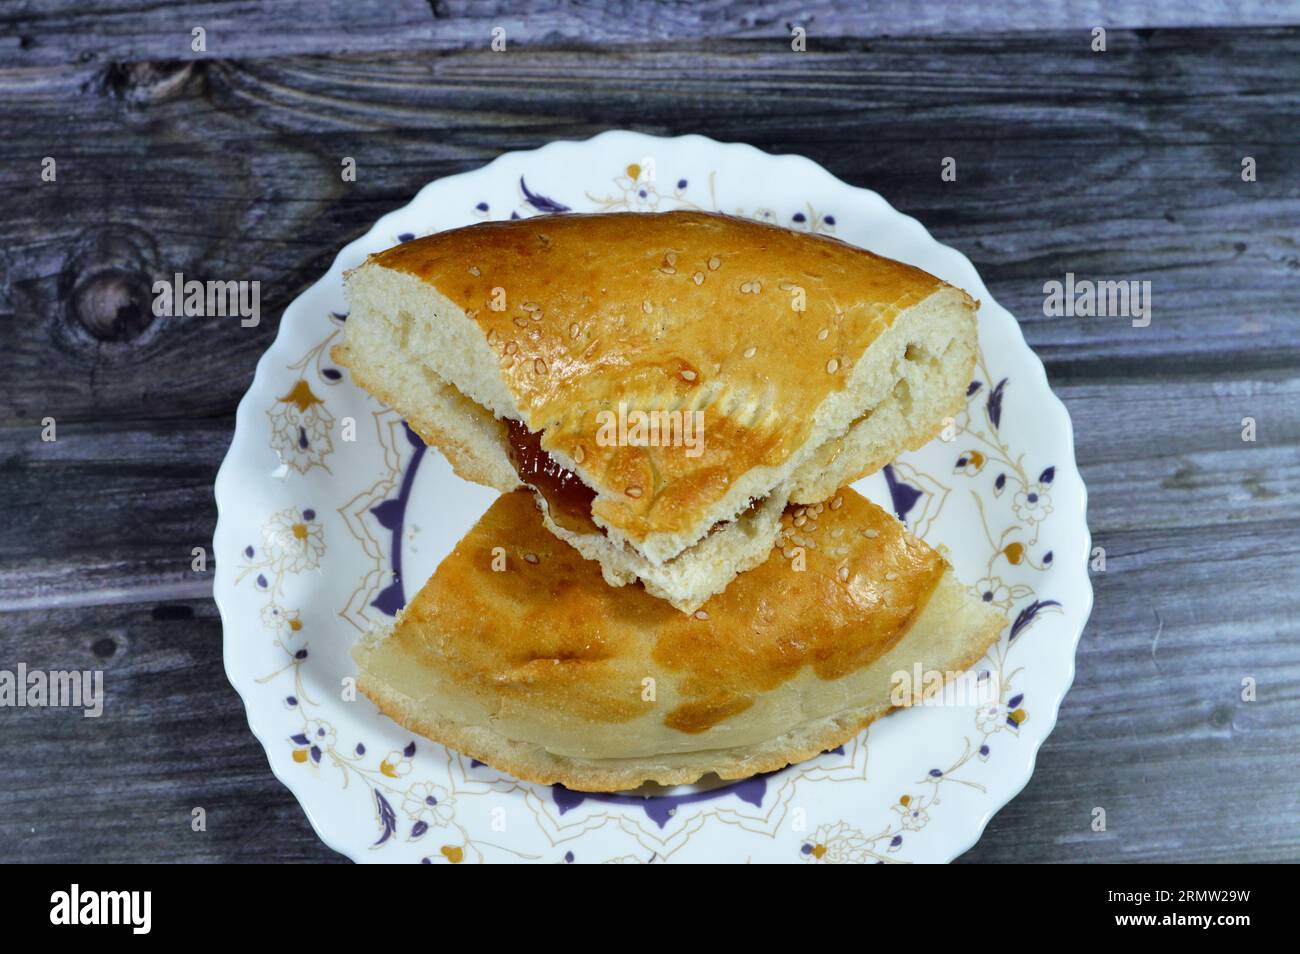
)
(517, 653)
(681, 310)
(532, 763)
(547, 631)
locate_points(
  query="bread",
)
(811, 362)
(518, 654)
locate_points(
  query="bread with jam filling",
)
(812, 363)
(516, 652)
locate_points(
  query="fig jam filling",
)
(568, 499)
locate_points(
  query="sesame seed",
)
(507, 362)
(521, 322)
(714, 263)
(647, 307)
(531, 306)
(788, 552)
(891, 576)
(843, 574)
(698, 278)
(511, 347)
(800, 520)
(473, 270)
(668, 270)
(531, 557)
(689, 375)
(633, 491)
(574, 330)
(871, 534)
(837, 503)
(816, 508)
(492, 336)
(700, 614)
(801, 511)
(671, 258)
(823, 334)
(812, 525)
(539, 366)
(579, 455)
(832, 365)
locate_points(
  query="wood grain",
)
(230, 171)
(58, 32)
(1117, 165)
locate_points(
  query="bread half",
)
(518, 654)
(801, 362)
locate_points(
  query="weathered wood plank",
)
(1123, 166)
(47, 32)
(107, 513)
(120, 788)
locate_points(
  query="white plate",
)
(313, 527)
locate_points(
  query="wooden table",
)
(224, 164)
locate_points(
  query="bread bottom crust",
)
(530, 762)
(463, 431)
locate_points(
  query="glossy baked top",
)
(521, 623)
(752, 324)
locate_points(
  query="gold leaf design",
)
(302, 396)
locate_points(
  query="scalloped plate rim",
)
(1024, 759)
